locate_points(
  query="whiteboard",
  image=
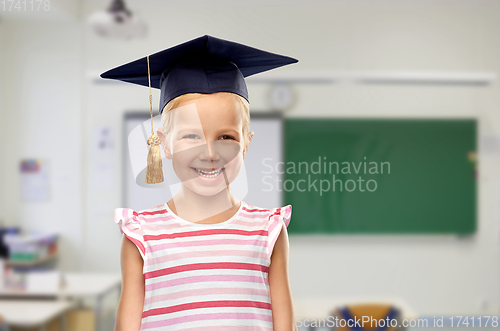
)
(258, 176)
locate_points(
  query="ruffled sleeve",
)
(277, 217)
(130, 225)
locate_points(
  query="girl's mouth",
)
(208, 174)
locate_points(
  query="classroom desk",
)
(40, 312)
(77, 285)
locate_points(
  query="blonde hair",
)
(166, 115)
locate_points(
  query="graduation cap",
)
(202, 65)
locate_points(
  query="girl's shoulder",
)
(136, 224)
(274, 220)
(134, 220)
(129, 215)
(279, 213)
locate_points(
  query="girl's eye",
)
(193, 136)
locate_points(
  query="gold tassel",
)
(154, 170)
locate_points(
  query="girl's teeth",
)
(208, 173)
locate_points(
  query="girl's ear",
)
(164, 143)
(250, 135)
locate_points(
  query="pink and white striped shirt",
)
(205, 276)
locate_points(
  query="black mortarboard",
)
(202, 65)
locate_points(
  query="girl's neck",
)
(196, 208)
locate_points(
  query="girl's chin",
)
(206, 191)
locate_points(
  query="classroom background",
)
(363, 65)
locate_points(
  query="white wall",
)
(435, 275)
(3, 221)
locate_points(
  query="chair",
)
(370, 316)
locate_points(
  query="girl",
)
(205, 260)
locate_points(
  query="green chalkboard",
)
(405, 176)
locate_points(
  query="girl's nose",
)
(210, 151)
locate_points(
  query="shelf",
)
(49, 257)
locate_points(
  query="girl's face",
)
(206, 143)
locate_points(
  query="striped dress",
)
(210, 277)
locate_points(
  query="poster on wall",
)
(34, 176)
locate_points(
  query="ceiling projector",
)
(118, 22)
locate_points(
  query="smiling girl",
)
(205, 260)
